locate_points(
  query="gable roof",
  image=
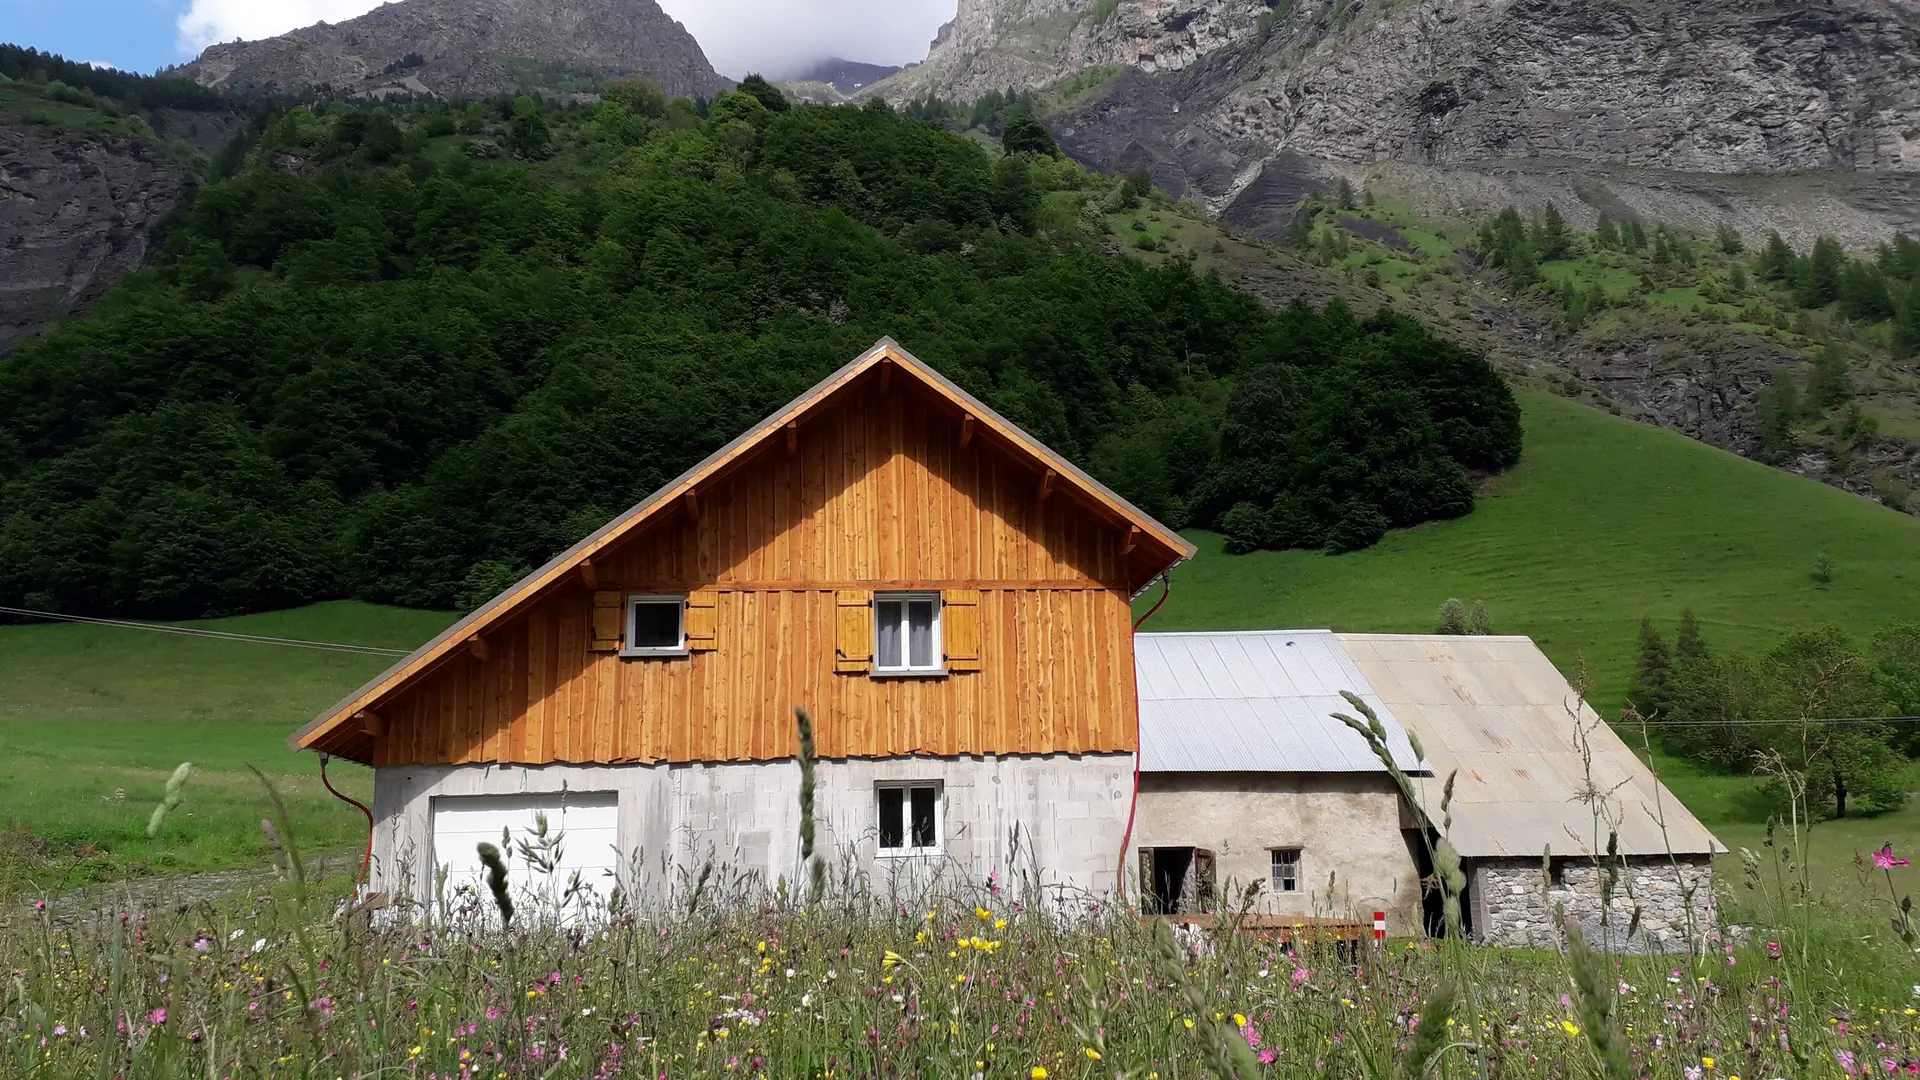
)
(1497, 710)
(1255, 701)
(1156, 546)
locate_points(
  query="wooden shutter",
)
(703, 619)
(609, 621)
(960, 626)
(853, 636)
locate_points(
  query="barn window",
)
(906, 633)
(656, 625)
(1286, 869)
(909, 818)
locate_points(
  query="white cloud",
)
(779, 36)
(208, 21)
(738, 36)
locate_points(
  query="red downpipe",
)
(1126, 838)
(366, 860)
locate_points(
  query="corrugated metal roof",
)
(1254, 701)
(1497, 710)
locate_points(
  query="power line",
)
(1812, 720)
(222, 635)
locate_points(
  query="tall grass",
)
(970, 979)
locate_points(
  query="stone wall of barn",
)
(1050, 825)
(1513, 903)
(1354, 857)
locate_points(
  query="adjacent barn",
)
(1549, 803)
(1246, 777)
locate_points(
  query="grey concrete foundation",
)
(1513, 903)
(1051, 825)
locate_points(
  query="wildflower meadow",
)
(994, 979)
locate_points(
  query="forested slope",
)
(404, 354)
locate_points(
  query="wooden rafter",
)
(966, 430)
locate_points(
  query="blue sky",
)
(139, 35)
(737, 35)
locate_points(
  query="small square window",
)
(656, 626)
(1286, 869)
(906, 629)
(909, 818)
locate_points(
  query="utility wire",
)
(223, 635)
(1776, 723)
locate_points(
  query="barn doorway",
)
(1176, 881)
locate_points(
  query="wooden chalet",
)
(947, 597)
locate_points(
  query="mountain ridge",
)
(475, 48)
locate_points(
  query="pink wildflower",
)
(157, 1016)
(1885, 859)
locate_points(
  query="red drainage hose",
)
(1126, 839)
(367, 859)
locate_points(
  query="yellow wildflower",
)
(1189, 1024)
(1570, 1028)
(1706, 1062)
(1239, 1020)
(1092, 1054)
(891, 959)
(1039, 1072)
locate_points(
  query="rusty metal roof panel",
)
(1498, 712)
(1254, 701)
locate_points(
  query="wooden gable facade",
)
(885, 477)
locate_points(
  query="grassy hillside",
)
(95, 718)
(1604, 521)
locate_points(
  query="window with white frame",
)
(909, 818)
(656, 625)
(1286, 869)
(906, 633)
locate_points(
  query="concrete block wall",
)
(1514, 904)
(1057, 816)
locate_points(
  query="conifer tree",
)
(1606, 234)
(1776, 259)
(1829, 381)
(1817, 280)
(1553, 234)
(1634, 235)
(1688, 646)
(1651, 692)
(1728, 239)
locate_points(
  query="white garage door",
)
(564, 875)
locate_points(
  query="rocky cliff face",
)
(77, 211)
(470, 48)
(1628, 106)
(1028, 44)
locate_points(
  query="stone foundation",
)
(1513, 904)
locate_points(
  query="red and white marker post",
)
(1379, 928)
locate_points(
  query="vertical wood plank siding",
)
(878, 495)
